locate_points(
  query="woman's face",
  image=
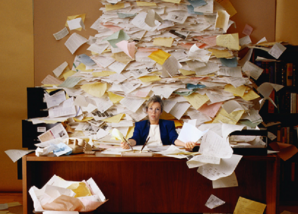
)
(154, 112)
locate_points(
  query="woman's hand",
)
(189, 146)
(124, 145)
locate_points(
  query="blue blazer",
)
(168, 132)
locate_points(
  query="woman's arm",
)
(188, 146)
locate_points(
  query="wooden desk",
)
(155, 184)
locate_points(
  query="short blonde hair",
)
(154, 99)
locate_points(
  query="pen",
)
(145, 144)
(128, 143)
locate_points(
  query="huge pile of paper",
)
(176, 49)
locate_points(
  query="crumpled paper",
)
(61, 195)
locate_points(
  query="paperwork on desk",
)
(83, 196)
(176, 49)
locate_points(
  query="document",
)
(214, 145)
(246, 206)
(132, 104)
(74, 42)
(197, 100)
(214, 202)
(58, 71)
(252, 70)
(225, 182)
(128, 48)
(70, 82)
(57, 131)
(277, 50)
(222, 20)
(190, 133)
(179, 109)
(96, 89)
(199, 54)
(224, 169)
(200, 160)
(230, 41)
(55, 99)
(16, 154)
(140, 22)
(76, 24)
(159, 56)
(98, 48)
(80, 17)
(66, 108)
(61, 34)
(210, 110)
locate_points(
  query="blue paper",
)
(229, 62)
(197, 3)
(83, 58)
(63, 149)
(190, 10)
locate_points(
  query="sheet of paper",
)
(118, 67)
(132, 104)
(210, 110)
(277, 50)
(214, 145)
(96, 89)
(252, 70)
(231, 62)
(208, 8)
(75, 24)
(74, 42)
(159, 56)
(219, 96)
(176, 16)
(61, 34)
(214, 202)
(116, 38)
(190, 133)
(50, 80)
(168, 105)
(16, 154)
(140, 22)
(55, 99)
(222, 20)
(230, 71)
(199, 54)
(230, 41)
(64, 109)
(163, 41)
(128, 48)
(246, 206)
(228, 6)
(70, 82)
(57, 131)
(60, 212)
(58, 71)
(200, 160)
(208, 69)
(224, 117)
(224, 169)
(245, 41)
(98, 48)
(231, 106)
(197, 100)
(179, 109)
(225, 182)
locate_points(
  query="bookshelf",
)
(285, 116)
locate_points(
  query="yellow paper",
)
(221, 53)
(117, 135)
(239, 91)
(68, 74)
(143, 3)
(186, 72)
(167, 41)
(248, 206)
(103, 73)
(149, 78)
(82, 67)
(228, 7)
(83, 120)
(50, 90)
(121, 57)
(197, 100)
(96, 89)
(114, 97)
(130, 132)
(82, 16)
(178, 123)
(166, 116)
(173, 1)
(250, 95)
(114, 119)
(110, 7)
(230, 41)
(224, 117)
(80, 188)
(159, 56)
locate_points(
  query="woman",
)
(161, 132)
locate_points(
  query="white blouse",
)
(154, 134)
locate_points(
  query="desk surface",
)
(154, 184)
